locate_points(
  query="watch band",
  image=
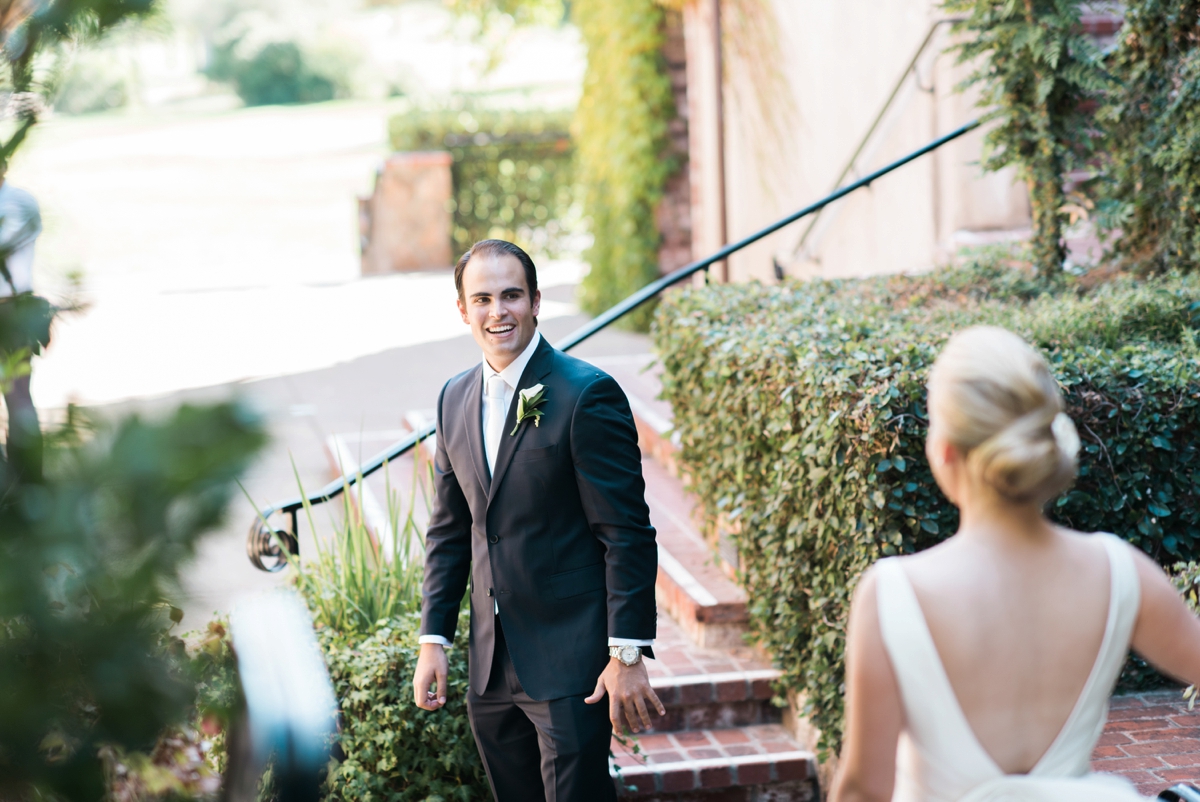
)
(628, 655)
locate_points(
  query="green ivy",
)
(394, 750)
(1039, 74)
(621, 135)
(1151, 195)
(513, 172)
(801, 416)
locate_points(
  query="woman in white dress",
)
(980, 669)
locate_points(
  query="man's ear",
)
(536, 305)
(462, 310)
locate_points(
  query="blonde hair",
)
(993, 397)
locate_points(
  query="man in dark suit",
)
(540, 503)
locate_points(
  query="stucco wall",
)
(803, 81)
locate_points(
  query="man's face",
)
(496, 304)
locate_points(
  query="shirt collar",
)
(512, 373)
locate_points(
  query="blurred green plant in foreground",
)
(91, 553)
(39, 39)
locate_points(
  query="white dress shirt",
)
(512, 377)
(20, 225)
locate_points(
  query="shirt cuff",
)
(629, 642)
(434, 639)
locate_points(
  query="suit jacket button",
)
(494, 539)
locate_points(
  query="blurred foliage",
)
(277, 73)
(801, 416)
(522, 12)
(1040, 76)
(92, 551)
(624, 159)
(96, 81)
(394, 751)
(38, 40)
(512, 172)
(1151, 193)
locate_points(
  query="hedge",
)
(513, 172)
(392, 749)
(801, 416)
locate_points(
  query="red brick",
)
(1102, 752)
(1151, 789)
(1134, 725)
(1163, 747)
(1186, 759)
(1165, 734)
(1180, 775)
(696, 693)
(754, 773)
(626, 760)
(668, 695)
(1122, 702)
(1124, 764)
(737, 750)
(778, 746)
(1187, 720)
(716, 777)
(669, 756)
(1158, 711)
(730, 737)
(693, 738)
(650, 743)
(1137, 777)
(704, 754)
(678, 780)
(637, 781)
(1114, 738)
(761, 689)
(733, 690)
(794, 769)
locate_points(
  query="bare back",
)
(1018, 629)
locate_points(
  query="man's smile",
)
(503, 328)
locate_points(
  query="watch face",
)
(629, 654)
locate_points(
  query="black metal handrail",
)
(265, 542)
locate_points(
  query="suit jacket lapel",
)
(537, 369)
(473, 420)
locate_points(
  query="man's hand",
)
(432, 668)
(628, 689)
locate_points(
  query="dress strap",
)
(933, 717)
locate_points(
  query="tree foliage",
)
(801, 417)
(621, 136)
(1151, 195)
(1039, 75)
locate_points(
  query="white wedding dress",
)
(939, 759)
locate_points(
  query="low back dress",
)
(939, 759)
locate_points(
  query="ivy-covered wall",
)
(801, 416)
(621, 135)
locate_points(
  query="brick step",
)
(708, 701)
(735, 764)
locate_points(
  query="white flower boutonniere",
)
(527, 406)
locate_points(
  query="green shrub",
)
(624, 162)
(513, 173)
(275, 74)
(1040, 76)
(801, 416)
(1151, 195)
(394, 750)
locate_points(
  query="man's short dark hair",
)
(496, 247)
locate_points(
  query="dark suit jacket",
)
(560, 536)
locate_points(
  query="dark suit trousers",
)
(555, 750)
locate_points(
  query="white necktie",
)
(495, 419)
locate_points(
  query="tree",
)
(1039, 74)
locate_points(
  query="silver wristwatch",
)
(628, 655)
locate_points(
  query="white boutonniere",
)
(527, 406)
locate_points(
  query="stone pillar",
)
(405, 223)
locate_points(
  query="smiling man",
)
(540, 504)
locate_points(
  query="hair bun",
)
(994, 398)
